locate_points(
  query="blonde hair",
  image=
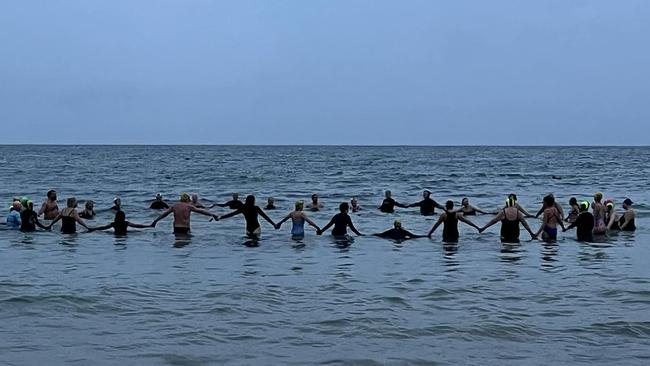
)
(299, 205)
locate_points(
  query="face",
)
(118, 202)
(235, 196)
(314, 198)
(90, 205)
(426, 194)
(354, 202)
(271, 200)
(388, 194)
(52, 196)
(465, 202)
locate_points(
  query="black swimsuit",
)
(509, 230)
(450, 230)
(68, 224)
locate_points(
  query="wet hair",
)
(71, 202)
(89, 203)
(120, 216)
(573, 201)
(250, 200)
(299, 205)
(427, 192)
(464, 199)
(344, 207)
(50, 192)
(549, 201)
(449, 205)
(314, 196)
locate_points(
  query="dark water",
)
(93, 298)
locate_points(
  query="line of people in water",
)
(599, 221)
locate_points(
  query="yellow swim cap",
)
(584, 204)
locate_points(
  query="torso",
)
(51, 210)
(450, 229)
(181, 214)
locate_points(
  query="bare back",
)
(552, 216)
(181, 212)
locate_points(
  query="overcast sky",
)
(325, 72)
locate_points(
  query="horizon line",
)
(313, 145)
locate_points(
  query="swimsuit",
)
(630, 226)
(181, 230)
(551, 232)
(298, 228)
(450, 230)
(68, 224)
(509, 230)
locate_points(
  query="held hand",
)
(153, 224)
(481, 230)
(277, 226)
(319, 232)
(215, 217)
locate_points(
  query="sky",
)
(325, 72)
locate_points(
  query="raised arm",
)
(439, 206)
(435, 226)
(203, 211)
(479, 210)
(162, 216)
(523, 210)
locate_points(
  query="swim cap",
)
(510, 202)
(584, 204)
(299, 205)
(398, 222)
(628, 202)
(185, 197)
(610, 204)
(598, 195)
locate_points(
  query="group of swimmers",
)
(602, 219)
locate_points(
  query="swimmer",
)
(29, 219)
(314, 205)
(574, 212)
(49, 209)
(88, 211)
(450, 220)
(584, 224)
(556, 204)
(388, 204)
(120, 224)
(598, 209)
(250, 213)
(611, 218)
(552, 219)
(233, 204)
(117, 204)
(13, 218)
(398, 232)
(354, 205)
(69, 218)
(341, 222)
(298, 219)
(510, 218)
(427, 205)
(158, 203)
(182, 211)
(626, 223)
(270, 204)
(195, 201)
(519, 207)
(468, 210)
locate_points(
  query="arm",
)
(42, 210)
(573, 224)
(58, 217)
(479, 210)
(496, 219)
(103, 227)
(540, 211)
(413, 236)
(626, 219)
(351, 225)
(416, 204)
(468, 222)
(265, 216)
(383, 235)
(544, 223)
(329, 225)
(523, 210)
(236, 212)
(611, 222)
(79, 220)
(308, 220)
(439, 206)
(435, 226)
(523, 221)
(162, 216)
(39, 224)
(397, 204)
(139, 226)
(277, 226)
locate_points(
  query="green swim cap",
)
(584, 204)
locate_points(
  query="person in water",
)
(117, 204)
(519, 207)
(427, 205)
(584, 224)
(574, 211)
(298, 219)
(182, 211)
(49, 209)
(450, 219)
(233, 204)
(552, 219)
(626, 222)
(13, 218)
(120, 224)
(88, 212)
(398, 232)
(250, 213)
(354, 205)
(29, 219)
(388, 204)
(510, 218)
(611, 217)
(556, 204)
(598, 209)
(315, 205)
(270, 204)
(341, 221)
(468, 210)
(69, 218)
(195, 201)
(158, 203)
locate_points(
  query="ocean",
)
(149, 299)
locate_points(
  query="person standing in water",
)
(314, 205)
(158, 203)
(510, 218)
(626, 222)
(574, 212)
(341, 221)
(598, 209)
(182, 211)
(13, 219)
(556, 204)
(398, 232)
(427, 205)
(552, 219)
(29, 219)
(519, 207)
(69, 218)
(120, 224)
(450, 220)
(233, 204)
(49, 209)
(584, 224)
(88, 212)
(298, 219)
(250, 213)
(388, 204)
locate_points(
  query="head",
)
(426, 194)
(510, 202)
(573, 201)
(71, 202)
(195, 198)
(388, 194)
(117, 201)
(235, 196)
(397, 223)
(30, 205)
(449, 205)
(16, 205)
(344, 207)
(159, 197)
(250, 200)
(598, 196)
(120, 216)
(465, 202)
(354, 202)
(300, 205)
(314, 198)
(584, 206)
(270, 200)
(89, 205)
(627, 203)
(549, 200)
(51, 195)
(513, 196)
(185, 197)
(609, 206)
